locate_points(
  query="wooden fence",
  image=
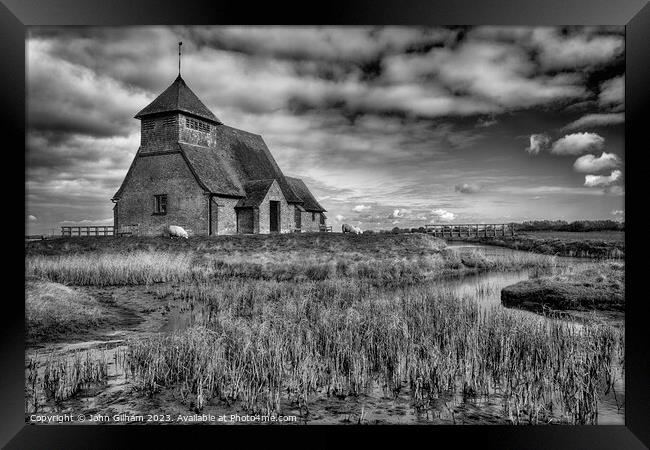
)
(470, 230)
(88, 231)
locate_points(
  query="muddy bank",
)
(596, 287)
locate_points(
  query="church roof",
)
(309, 201)
(178, 97)
(255, 192)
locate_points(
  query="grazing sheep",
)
(346, 228)
(175, 231)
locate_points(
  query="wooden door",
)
(274, 216)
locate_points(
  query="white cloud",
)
(538, 142)
(592, 163)
(443, 215)
(618, 212)
(577, 143)
(107, 221)
(339, 217)
(575, 50)
(467, 188)
(578, 48)
(500, 73)
(398, 213)
(595, 120)
(603, 180)
(32, 218)
(360, 208)
(612, 92)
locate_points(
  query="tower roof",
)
(178, 97)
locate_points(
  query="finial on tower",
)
(179, 58)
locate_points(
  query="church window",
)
(160, 204)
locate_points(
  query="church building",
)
(193, 171)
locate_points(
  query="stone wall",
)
(226, 216)
(187, 205)
(245, 221)
(310, 221)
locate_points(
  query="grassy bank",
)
(383, 259)
(324, 243)
(598, 286)
(581, 245)
(53, 310)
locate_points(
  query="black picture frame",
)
(16, 15)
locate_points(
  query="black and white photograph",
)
(336, 225)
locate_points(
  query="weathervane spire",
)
(179, 58)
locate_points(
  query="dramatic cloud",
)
(467, 188)
(578, 143)
(477, 71)
(443, 215)
(575, 50)
(357, 44)
(595, 120)
(68, 98)
(603, 180)
(558, 49)
(538, 142)
(375, 118)
(592, 163)
(612, 92)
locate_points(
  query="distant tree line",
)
(563, 225)
(536, 225)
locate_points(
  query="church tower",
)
(176, 115)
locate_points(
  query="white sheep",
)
(176, 231)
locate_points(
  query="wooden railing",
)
(462, 230)
(108, 230)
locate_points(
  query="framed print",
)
(380, 221)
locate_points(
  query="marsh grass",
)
(62, 377)
(141, 267)
(335, 338)
(149, 267)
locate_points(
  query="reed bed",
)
(59, 378)
(142, 267)
(149, 267)
(265, 341)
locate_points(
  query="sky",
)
(388, 126)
